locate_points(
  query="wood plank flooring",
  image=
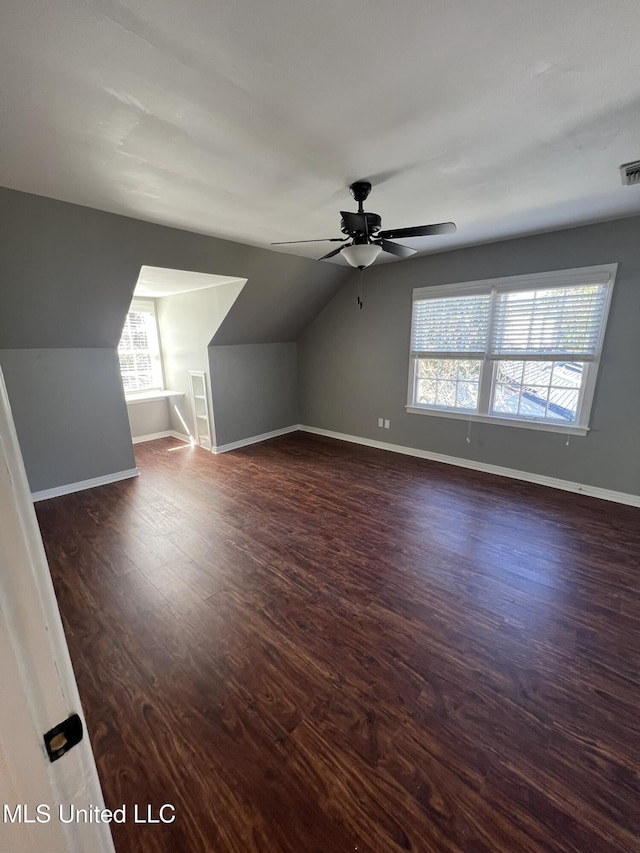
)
(307, 646)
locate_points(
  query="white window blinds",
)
(522, 349)
(139, 350)
(453, 327)
(545, 323)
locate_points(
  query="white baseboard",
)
(83, 484)
(512, 473)
(167, 433)
(526, 476)
(254, 439)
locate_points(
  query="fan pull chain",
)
(359, 301)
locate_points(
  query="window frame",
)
(603, 274)
(146, 305)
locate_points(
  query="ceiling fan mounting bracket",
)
(360, 190)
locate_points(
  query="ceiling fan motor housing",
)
(373, 225)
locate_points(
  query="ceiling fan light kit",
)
(361, 255)
(367, 240)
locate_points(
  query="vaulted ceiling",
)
(248, 119)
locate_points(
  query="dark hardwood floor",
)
(311, 646)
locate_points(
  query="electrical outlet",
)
(380, 422)
(387, 423)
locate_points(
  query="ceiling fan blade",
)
(419, 231)
(356, 223)
(331, 254)
(319, 240)
(395, 248)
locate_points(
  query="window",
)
(139, 349)
(522, 350)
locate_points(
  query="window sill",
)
(564, 429)
(150, 396)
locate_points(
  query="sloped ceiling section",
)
(67, 276)
(281, 311)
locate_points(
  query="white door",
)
(37, 686)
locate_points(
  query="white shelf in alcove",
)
(199, 402)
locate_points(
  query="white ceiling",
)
(158, 281)
(249, 118)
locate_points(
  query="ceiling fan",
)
(365, 240)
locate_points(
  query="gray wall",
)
(255, 389)
(147, 417)
(64, 440)
(67, 275)
(354, 364)
(188, 322)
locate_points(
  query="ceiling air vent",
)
(630, 173)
